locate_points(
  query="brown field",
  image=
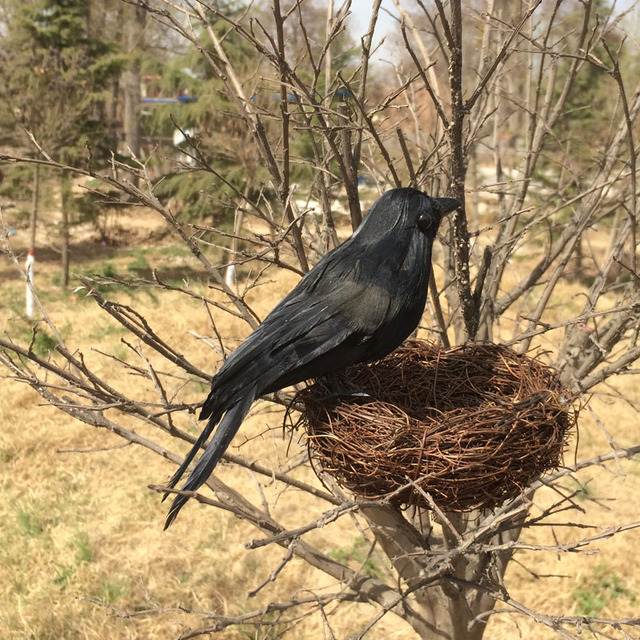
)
(82, 551)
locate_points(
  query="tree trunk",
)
(65, 201)
(447, 604)
(35, 197)
(132, 80)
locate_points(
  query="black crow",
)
(356, 305)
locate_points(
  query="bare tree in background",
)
(53, 73)
(493, 122)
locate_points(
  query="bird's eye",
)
(424, 223)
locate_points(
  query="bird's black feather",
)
(357, 304)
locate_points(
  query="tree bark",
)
(35, 197)
(132, 80)
(65, 201)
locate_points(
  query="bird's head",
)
(404, 209)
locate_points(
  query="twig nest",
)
(470, 426)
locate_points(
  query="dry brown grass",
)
(78, 527)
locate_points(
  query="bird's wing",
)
(320, 315)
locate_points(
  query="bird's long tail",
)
(202, 438)
(221, 439)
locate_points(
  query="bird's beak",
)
(448, 204)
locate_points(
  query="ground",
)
(82, 551)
